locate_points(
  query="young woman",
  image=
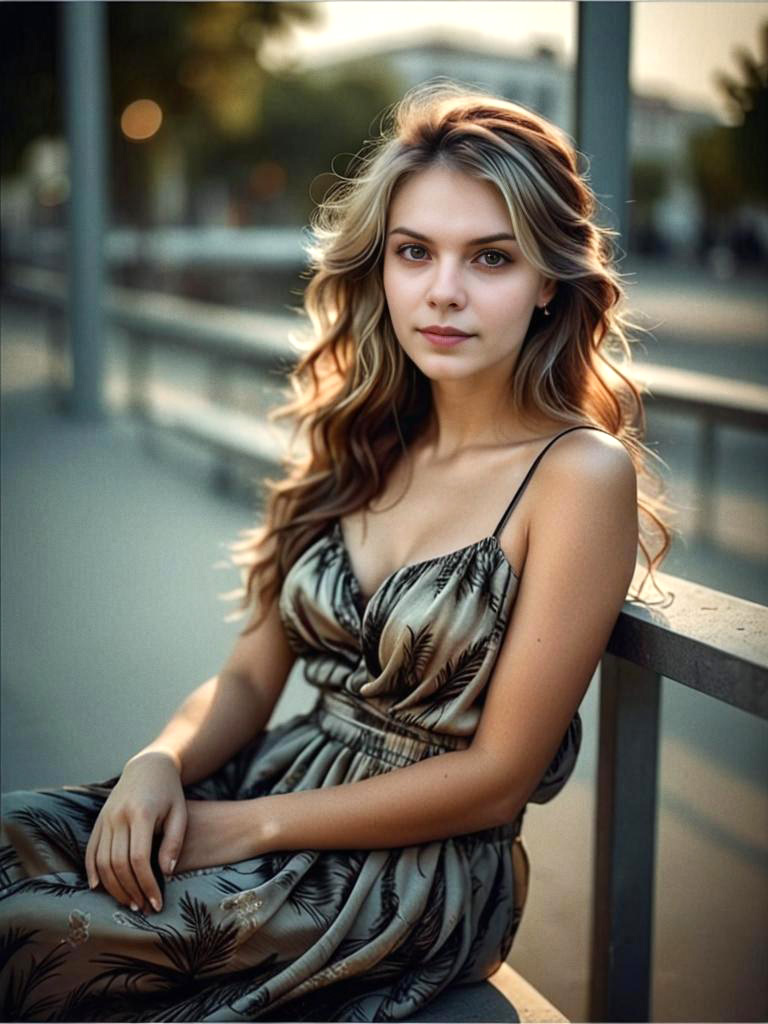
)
(444, 563)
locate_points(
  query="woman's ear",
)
(546, 292)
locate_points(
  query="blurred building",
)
(540, 79)
(543, 81)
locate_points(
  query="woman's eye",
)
(410, 247)
(416, 253)
(497, 258)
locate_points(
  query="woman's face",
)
(450, 261)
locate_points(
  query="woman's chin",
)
(452, 365)
(444, 374)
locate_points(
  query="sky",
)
(676, 47)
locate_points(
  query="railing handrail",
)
(740, 402)
(257, 339)
(699, 627)
(182, 246)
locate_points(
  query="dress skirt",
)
(317, 935)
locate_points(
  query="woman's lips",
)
(445, 340)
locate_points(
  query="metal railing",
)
(727, 661)
(714, 643)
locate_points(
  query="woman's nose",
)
(446, 286)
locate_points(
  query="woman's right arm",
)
(213, 723)
(231, 708)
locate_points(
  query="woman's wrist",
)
(224, 832)
(163, 752)
(266, 823)
(253, 827)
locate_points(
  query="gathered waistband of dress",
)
(361, 727)
(357, 725)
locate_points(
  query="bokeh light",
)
(141, 120)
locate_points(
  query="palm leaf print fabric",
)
(315, 935)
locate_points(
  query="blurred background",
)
(223, 125)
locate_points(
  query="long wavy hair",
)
(358, 400)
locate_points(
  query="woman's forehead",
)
(441, 202)
(443, 178)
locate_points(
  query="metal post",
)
(626, 788)
(625, 842)
(602, 104)
(84, 47)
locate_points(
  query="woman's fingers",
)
(121, 865)
(119, 859)
(90, 855)
(174, 829)
(140, 848)
(104, 868)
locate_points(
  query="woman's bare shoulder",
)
(589, 467)
(594, 472)
(591, 451)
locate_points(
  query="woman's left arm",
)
(581, 557)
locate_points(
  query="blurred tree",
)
(309, 122)
(748, 106)
(198, 57)
(729, 162)
(200, 63)
(314, 123)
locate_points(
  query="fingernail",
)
(156, 904)
(134, 907)
(92, 883)
(171, 866)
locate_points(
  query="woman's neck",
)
(464, 418)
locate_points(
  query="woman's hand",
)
(148, 797)
(223, 832)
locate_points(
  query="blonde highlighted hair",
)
(358, 400)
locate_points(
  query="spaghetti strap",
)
(518, 493)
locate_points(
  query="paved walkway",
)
(110, 616)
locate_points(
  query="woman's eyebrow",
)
(502, 236)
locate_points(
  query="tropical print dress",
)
(319, 935)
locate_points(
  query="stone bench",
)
(505, 996)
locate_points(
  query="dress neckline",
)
(366, 602)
